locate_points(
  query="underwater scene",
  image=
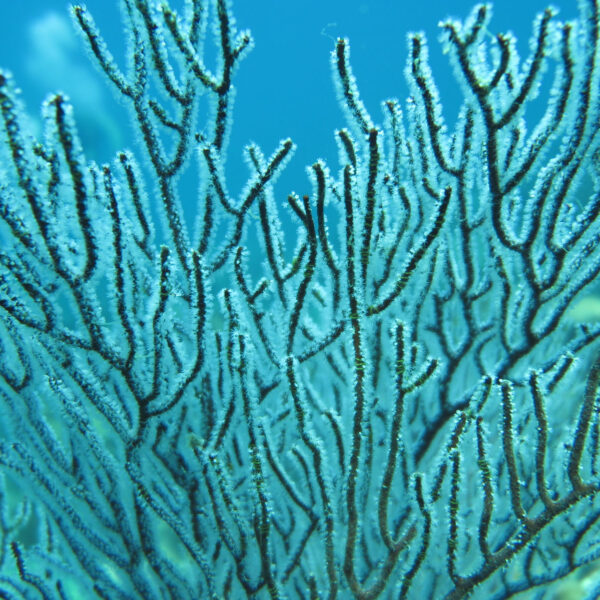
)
(299, 300)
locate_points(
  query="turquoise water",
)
(284, 87)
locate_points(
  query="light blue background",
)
(284, 87)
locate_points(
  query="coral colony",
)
(392, 401)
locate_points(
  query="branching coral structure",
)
(391, 401)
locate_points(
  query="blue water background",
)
(284, 87)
